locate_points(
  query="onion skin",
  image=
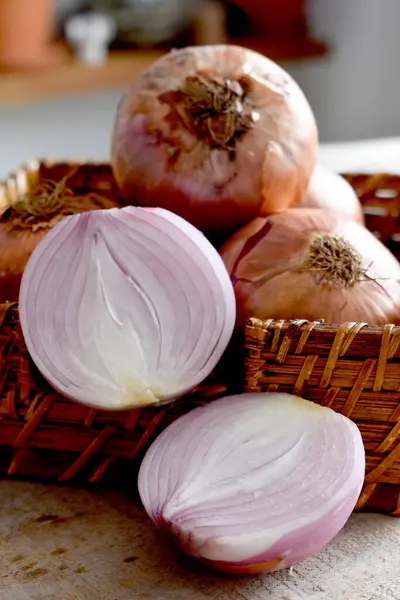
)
(158, 160)
(255, 482)
(267, 263)
(14, 253)
(331, 191)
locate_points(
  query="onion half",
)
(311, 264)
(128, 307)
(217, 134)
(255, 482)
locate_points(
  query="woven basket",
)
(352, 368)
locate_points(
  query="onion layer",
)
(329, 190)
(254, 482)
(311, 264)
(126, 307)
(216, 134)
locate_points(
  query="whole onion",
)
(25, 222)
(329, 190)
(310, 264)
(256, 482)
(216, 134)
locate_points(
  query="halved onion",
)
(126, 307)
(255, 482)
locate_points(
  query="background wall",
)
(78, 127)
(355, 91)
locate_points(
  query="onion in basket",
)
(217, 134)
(311, 264)
(256, 482)
(24, 223)
(127, 307)
(329, 190)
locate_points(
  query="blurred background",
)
(65, 63)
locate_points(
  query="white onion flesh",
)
(126, 307)
(254, 482)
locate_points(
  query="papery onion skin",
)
(255, 482)
(268, 261)
(217, 183)
(15, 251)
(125, 308)
(331, 191)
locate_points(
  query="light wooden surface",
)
(68, 544)
(72, 77)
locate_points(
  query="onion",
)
(127, 307)
(24, 223)
(311, 264)
(329, 190)
(216, 134)
(255, 482)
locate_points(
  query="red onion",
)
(329, 190)
(126, 307)
(217, 134)
(311, 264)
(256, 482)
(24, 222)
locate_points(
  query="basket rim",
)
(16, 180)
(31, 165)
(318, 326)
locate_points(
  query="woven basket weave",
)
(353, 368)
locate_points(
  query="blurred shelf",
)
(281, 49)
(73, 77)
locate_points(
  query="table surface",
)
(59, 543)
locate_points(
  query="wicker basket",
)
(353, 368)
